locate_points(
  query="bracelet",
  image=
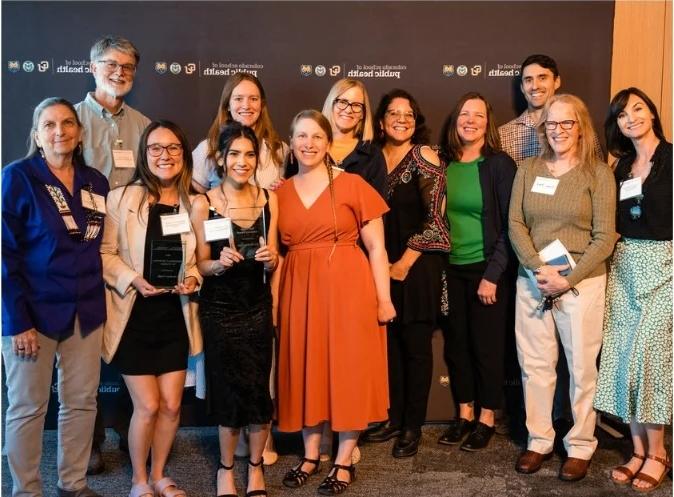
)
(213, 271)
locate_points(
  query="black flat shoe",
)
(295, 478)
(333, 486)
(381, 433)
(458, 428)
(479, 439)
(407, 444)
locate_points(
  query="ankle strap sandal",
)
(295, 478)
(226, 468)
(333, 486)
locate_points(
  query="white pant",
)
(78, 360)
(578, 321)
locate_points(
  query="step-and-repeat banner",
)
(435, 50)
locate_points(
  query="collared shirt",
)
(48, 275)
(519, 139)
(104, 131)
(205, 171)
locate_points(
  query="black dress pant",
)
(474, 336)
(410, 370)
(122, 409)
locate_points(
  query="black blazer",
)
(656, 217)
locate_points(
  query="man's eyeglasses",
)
(566, 125)
(112, 66)
(155, 150)
(343, 104)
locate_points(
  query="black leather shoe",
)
(381, 433)
(479, 439)
(82, 492)
(407, 444)
(458, 428)
(96, 465)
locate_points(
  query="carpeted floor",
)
(436, 471)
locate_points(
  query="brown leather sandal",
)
(653, 483)
(624, 470)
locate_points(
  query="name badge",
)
(630, 188)
(217, 229)
(174, 224)
(93, 201)
(123, 159)
(546, 186)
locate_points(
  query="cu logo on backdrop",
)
(320, 70)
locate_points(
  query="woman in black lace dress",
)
(417, 242)
(236, 303)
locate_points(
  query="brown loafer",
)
(573, 469)
(531, 461)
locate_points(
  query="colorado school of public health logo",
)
(174, 67)
(320, 70)
(15, 66)
(462, 70)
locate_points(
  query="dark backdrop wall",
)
(435, 50)
(298, 50)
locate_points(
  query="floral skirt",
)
(635, 373)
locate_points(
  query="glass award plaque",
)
(248, 226)
(166, 263)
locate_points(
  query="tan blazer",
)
(122, 251)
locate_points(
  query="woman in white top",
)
(242, 100)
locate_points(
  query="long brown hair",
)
(149, 180)
(585, 150)
(324, 124)
(451, 147)
(264, 129)
(618, 144)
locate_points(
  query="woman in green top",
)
(479, 180)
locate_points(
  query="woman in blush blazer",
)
(151, 329)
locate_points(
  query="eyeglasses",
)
(343, 104)
(567, 125)
(112, 66)
(155, 150)
(636, 210)
(399, 115)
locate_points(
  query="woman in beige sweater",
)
(564, 194)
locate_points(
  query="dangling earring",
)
(39, 149)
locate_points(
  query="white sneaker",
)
(326, 443)
(269, 453)
(242, 449)
(355, 455)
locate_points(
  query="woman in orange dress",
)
(332, 356)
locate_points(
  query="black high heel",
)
(295, 478)
(331, 485)
(253, 493)
(226, 468)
